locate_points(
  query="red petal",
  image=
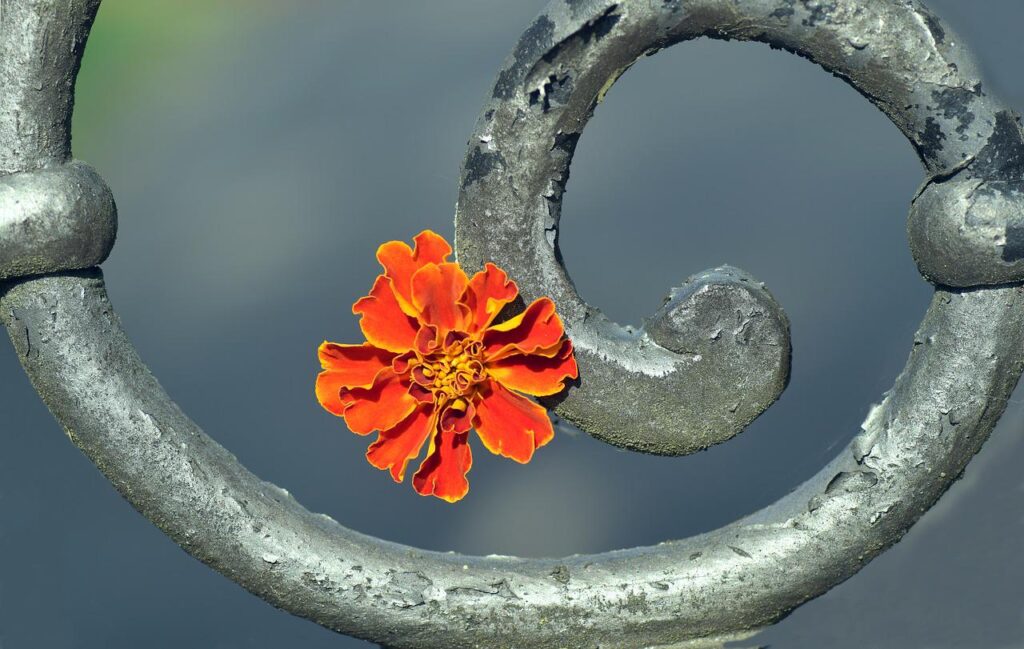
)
(380, 406)
(420, 393)
(457, 416)
(401, 262)
(443, 473)
(536, 328)
(384, 323)
(436, 289)
(396, 446)
(487, 294)
(539, 375)
(347, 366)
(401, 362)
(428, 340)
(511, 425)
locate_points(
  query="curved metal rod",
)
(736, 579)
(720, 584)
(735, 359)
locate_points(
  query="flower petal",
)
(383, 322)
(401, 262)
(436, 289)
(511, 425)
(443, 472)
(347, 366)
(486, 295)
(331, 392)
(539, 375)
(396, 446)
(428, 340)
(358, 364)
(536, 328)
(380, 406)
(457, 416)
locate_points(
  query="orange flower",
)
(435, 365)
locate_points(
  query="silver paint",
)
(701, 591)
(54, 219)
(969, 231)
(643, 391)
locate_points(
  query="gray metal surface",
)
(895, 53)
(41, 45)
(54, 214)
(966, 359)
(60, 218)
(969, 230)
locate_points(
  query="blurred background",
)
(259, 152)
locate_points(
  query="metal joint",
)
(968, 231)
(55, 219)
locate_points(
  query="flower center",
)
(453, 372)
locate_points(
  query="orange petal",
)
(487, 294)
(443, 472)
(436, 289)
(358, 364)
(539, 375)
(346, 366)
(511, 425)
(330, 387)
(396, 446)
(380, 406)
(536, 328)
(383, 322)
(401, 262)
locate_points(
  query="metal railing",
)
(722, 331)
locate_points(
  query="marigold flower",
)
(435, 364)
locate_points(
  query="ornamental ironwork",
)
(708, 363)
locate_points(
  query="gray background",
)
(253, 192)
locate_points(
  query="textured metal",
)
(966, 358)
(41, 45)
(895, 53)
(738, 578)
(969, 231)
(722, 321)
(54, 214)
(55, 219)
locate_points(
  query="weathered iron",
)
(56, 217)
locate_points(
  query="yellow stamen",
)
(455, 372)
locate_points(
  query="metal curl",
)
(703, 367)
(720, 585)
(680, 389)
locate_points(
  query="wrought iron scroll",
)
(967, 356)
